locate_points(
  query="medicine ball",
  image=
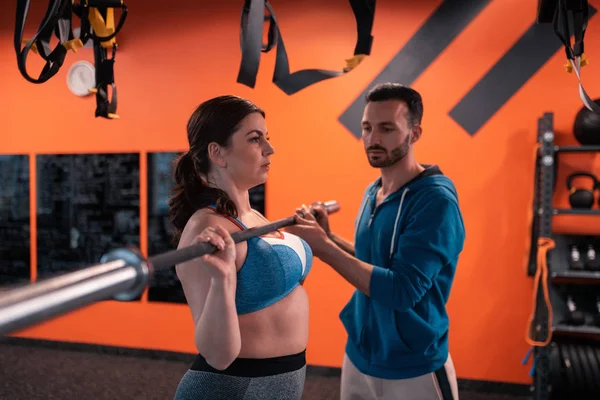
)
(587, 126)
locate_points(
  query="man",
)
(409, 234)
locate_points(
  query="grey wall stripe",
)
(448, 20)
(537, 45)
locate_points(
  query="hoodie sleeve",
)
(432, 237)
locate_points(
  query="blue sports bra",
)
(272, 269)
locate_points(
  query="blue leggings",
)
(275, 378)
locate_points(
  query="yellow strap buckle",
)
(103, 28)
(74, 44)
(582, 63)
(33, 46)
(353, 62)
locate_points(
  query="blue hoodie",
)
(413, 239)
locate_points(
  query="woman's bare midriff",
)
(278, 330)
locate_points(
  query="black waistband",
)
(254, 367)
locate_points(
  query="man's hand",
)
(324, 247)
(310, 230)
(322, 217)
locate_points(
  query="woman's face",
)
(247, 157)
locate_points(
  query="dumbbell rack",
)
(568, 360)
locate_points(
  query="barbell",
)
(122, 275)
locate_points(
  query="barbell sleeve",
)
(122, 274)
(116, 277)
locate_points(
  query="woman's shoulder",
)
(202, 219)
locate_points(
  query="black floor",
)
(30, 372)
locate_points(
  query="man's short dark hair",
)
(397, 91)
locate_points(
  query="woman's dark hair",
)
(215, 120)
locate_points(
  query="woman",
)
(249, 309)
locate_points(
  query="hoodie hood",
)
(431, 176)
(431, 179)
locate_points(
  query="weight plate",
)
(579, 385)
(586, 370)
(556, 371)
(594, 367)
(595, 351)
(566, 362)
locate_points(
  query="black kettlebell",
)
(580, 197)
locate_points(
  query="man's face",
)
(386, 133)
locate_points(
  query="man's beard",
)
(387, 160)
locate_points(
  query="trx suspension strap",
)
(99, 14)
(97, 24)
(557, 12)
(56, 21)
(252, 21)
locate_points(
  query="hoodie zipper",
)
(373, 211)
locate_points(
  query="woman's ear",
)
(216, 154)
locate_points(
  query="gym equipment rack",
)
(569, 366)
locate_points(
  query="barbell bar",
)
(122, 274)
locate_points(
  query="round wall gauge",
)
(81, 77)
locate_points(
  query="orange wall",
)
(167, 67)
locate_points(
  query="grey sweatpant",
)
(439, 385)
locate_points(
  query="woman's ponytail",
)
(181, 206)
(190, 194)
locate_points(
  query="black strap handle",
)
(364, 13)
(272, 32)
(580, 174)
(580, 12)
(253, 19)
(105, 77)
(545, 11)
(41, 39)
